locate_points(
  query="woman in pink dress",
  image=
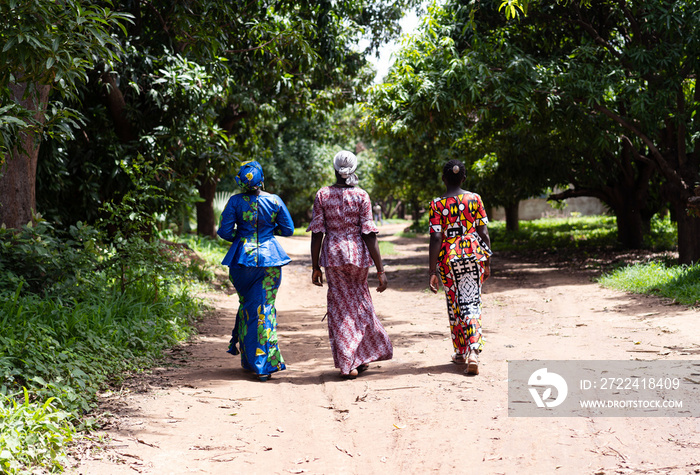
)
(344, 242)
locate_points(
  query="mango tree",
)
(200, 86)
(45, 46)
(628, 67)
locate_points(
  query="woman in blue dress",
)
(250, 222)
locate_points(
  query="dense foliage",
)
(73, 319)
(594, 94)
(78, 307)
(197, 85)
(48, 43)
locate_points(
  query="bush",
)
(59, 353)
(78, 308)
(40, 260)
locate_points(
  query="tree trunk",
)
(688, 236)
(206, 225)
(395, 211)
(401, 210)
(18, 172)
(415, 210)
(116, 105)
(630, 225)
(512, 217)
(630, 228)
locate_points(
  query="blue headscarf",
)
(250, 177)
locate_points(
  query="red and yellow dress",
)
(461, 264)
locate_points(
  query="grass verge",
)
(78, 313)
(680, 283)
(55, 355)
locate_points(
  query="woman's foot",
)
(473, 363)
(459, 359)
(263, 377)
(351, 375)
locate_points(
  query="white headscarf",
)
(345, 163)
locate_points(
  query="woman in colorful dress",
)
(460, 254)
(343, 213)
(250, 222)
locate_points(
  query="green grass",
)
(211, 250)
(33, 434)
(563, 233)
(387, 248)
(77, 314)
(680, 283)
(583, 232)
(62, 352)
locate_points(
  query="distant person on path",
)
(343, 212)
(250, 222)
(460, 251)
(378, 214)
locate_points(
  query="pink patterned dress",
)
(356, 335)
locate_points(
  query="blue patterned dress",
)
(255, 259)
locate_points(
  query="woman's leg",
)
(462, 281)
(256, 320)
(356, 335)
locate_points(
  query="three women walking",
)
(344, 242)
(459, 253)
(250, 221)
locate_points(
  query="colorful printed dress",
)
(355, 333)
(255, 261)
(461, 264)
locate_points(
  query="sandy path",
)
(417, 413)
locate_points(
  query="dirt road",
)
(417, 413)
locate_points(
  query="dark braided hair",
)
(448, 172)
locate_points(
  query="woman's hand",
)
(383, 283)
(434, 283)
(317, 277)
(487, 270)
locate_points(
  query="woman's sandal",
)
(263, 377)
(459, 359)
(362, 368)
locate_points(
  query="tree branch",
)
(665, 168)
(594, 33)
(630, 17)
(577, 193)
(254, 48)
(163, 23)
(590, 29)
